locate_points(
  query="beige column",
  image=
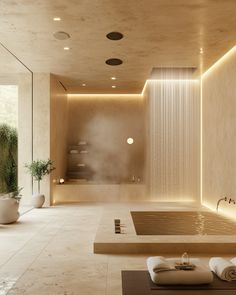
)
(24, 135)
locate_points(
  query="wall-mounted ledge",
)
(97, 192)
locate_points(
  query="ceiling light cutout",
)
(114, 61)
(115, 36)
(60, 35)
(57, 19)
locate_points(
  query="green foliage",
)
(16, 194)
(8, 158)
(39, 168)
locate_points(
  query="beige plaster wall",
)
(219, 132)
(106, 123)
(58, 131)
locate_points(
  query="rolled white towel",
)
(233, 260)
(223, 268)
(158, 264)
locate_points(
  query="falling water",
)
(173, 122)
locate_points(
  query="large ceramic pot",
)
(8, 210)
(38, 200)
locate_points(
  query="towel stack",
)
(163, 272)
(224, 269)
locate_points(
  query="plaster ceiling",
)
(167, 33)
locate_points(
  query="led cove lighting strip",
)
(134, 95)
(103, 95)
(219, 61)
(227, 54)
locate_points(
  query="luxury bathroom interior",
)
(133, 102)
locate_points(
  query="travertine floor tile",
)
(50, 251)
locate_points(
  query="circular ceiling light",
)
(113, 78)
(57, 19)
(114, 61)
(66, 48)
(130, 140)
(115, 36)
(83, 84)
(113, 86)
(60, 35)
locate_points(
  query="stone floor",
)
(50, 251)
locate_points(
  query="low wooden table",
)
(138, 282)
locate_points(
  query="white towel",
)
(200, 275)
(158, 264)
(224, 269)
(233, 260)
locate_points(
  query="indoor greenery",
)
(39, 168)
(8, 159)
(17, 194)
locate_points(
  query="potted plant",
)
(9, 191)
(9, 205)
(38, 169)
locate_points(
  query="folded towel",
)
(158, 264)
(224, 269)
(233, 260)
(200, 275)
(74, 152)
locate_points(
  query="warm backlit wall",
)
(105, 123)
(219, 131)
(173, 140)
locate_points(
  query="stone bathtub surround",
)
(106, 241)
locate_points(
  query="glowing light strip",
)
(201, 154)
(219, 61)
(128, 94)
(161, 80)
(144, 87)
(103, 95)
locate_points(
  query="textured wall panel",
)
(173, 142)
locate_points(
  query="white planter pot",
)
(8, 210)
(38, 200)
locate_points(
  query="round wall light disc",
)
(130, 140)
(115, 36)
(114, 61)
(61, 35)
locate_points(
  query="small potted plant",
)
(9, 205)
(38, 169)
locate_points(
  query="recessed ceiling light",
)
(115, 36)
(113, 78)
(130, 140)
(66, 48)
(83, 84)
(201, 50)
(57, 19)
(114, 61)
(60, 35)
(113, 86)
